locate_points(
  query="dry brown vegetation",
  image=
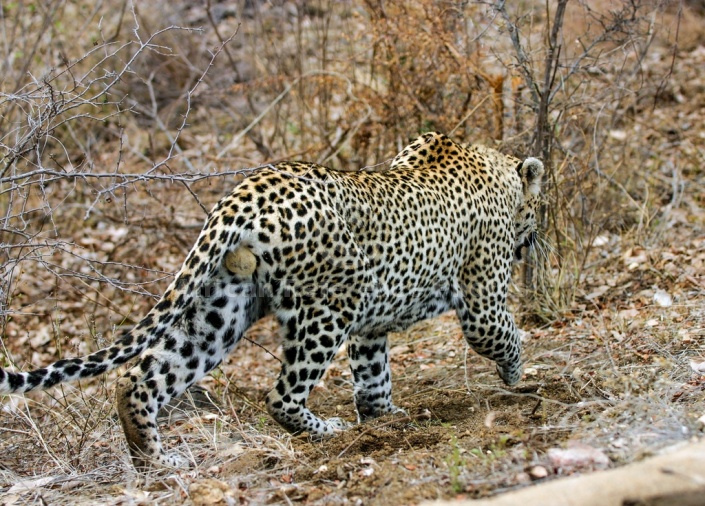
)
(121, 124)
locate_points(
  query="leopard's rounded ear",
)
(530, 171)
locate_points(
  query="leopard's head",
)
(530, 172)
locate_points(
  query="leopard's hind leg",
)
(141, 392)
(187, 351)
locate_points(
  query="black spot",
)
(34, 378)
(376, 369)
(326, 341)
(215, 320)
(54, 378)
(186, 349)
(290, 355)
(287, 302)
(146, 363)
(299, 230)
(72, 369)
(94, 371)
(229, 336)
(98, 356)
(121, 360)
(163, 305)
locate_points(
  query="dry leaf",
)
(618, 135)
(628, 314)
(25, 486)
(600, 240)
(600, 290)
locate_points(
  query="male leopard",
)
(336, 256)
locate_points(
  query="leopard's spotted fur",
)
(337, 257)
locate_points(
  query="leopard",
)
(336, 257)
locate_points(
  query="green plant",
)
(456, 465)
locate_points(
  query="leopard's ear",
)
(530, 171)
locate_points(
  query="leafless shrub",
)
(581, 80)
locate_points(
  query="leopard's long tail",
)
(133, 343)
(207, 259)
(123, 349)
(147, 334)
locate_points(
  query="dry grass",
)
(120, 126)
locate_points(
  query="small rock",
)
(698, 366)
(600, 240)
(663, 298)
(578, 456)
(523, 478)
(210, 492)
(618, 135)
(538, 472)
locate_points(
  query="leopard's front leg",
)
(369, 363)
(480, 302)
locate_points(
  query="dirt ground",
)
(466, 435)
